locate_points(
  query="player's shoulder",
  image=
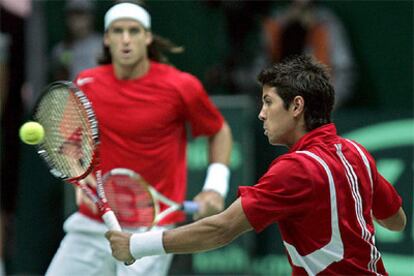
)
(170, 73)
(292, 171)
(357, 148)
(288, 161)
(94, 74)
(96, 71)
(293, 157)
(298, 163)
(354, 143)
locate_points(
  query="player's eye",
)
(134, 31)
(266, 101)
(117, 30)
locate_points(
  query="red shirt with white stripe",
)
(322, 194)
(142, 124)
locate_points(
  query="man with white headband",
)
(143, 107)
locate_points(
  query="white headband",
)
(127, 11)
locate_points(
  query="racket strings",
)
(132, 203)
(68, 143)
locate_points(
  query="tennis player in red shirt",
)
(324, 194)
(144, 108)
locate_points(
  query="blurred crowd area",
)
(226, 43)
(367, 45)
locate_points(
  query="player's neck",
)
(124, 72)
(296, 134)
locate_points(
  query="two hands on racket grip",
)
(210, 203)
(82, 198)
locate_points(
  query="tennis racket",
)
(71, 144)
(136, 203)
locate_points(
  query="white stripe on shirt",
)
(318, 260)
(353, 182)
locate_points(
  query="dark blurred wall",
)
(382, 37)
(381, 34)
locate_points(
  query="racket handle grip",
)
(190, 207)
(111, 221)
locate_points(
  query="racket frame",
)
(98, 197)
(156, 197)
(91, 120)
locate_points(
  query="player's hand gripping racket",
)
(71, 144)
(136, 203)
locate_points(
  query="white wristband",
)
(217, 179)
(146, 244)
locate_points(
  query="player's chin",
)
(271, 140)
(274, 142)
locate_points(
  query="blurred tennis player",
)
(143, 107)
(324, 194)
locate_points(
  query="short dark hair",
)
(302, 76)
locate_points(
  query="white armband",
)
(217, 179)
(146, 244)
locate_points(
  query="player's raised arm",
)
(216, 185)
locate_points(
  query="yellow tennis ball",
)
(32, 133)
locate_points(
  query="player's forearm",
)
(220, 145)
(200, 236)
(218, 172)
(209, 233)
(396, 222)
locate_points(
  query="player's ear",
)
(149, 38)
(298, 105)
(106, 39)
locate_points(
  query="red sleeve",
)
(284, 192)
(200, 112)
(386, 200)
